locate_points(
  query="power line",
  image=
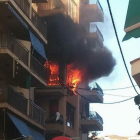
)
(106, 103)
(112, 19)
(119, 88)
(107, 89)
(70, 87)
(116, 95)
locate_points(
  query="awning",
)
(132, 23)
(17, 16)
(36, 43)
(134, 33)
(21, 126)
(37, 135)
(24, 129)
(38, 46)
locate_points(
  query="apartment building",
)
(76, 120)
(22, 57)
(30, 95)
(132, 31)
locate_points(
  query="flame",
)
(53, 73)
(74, 77)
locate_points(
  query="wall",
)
(74, 100)
(22, 90)
(27, 44)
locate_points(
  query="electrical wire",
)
(108, 89)
(106, 103)
(112, 19)
(116, 95)
(119, 88)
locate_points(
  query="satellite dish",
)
(29, 138)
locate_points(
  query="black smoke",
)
(68, 43)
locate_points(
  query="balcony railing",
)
(94, 29)
(25, 6)
(36, 113)
(19, 102)
(95, 116)
(55, 4)
(38, 23)
(53, 79)
(38, 68)
(18, 49)
(33, 16)
(98, 4)
(12, 97)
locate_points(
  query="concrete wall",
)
(27, 44)
(135, 66)
(22, 90)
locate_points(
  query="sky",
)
(119, 119)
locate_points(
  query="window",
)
(53, 108)
(72, 9)
(70, 112)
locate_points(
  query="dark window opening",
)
(53, 108)
(70, 115)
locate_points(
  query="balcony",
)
(51, 8)
(10, 46)
(26, 7)
(94, 95)
(26, 13)
(19, 102)
(93, 122)
(36, 113)
(50, 92)
(94, 32)
(135, 70)
(55, 127)
(92, 12)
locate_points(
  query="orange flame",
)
(74, 77)
(53, 73)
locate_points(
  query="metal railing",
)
(38, 68)
(38, 23)
(98, 4)
(100, 7)
(95, 116)
(33, 16)
(15, 46)
(19, 102)
(25, 6)
(55, 4)
(13, 98)
(94, 29)
(36, 113)
(53, 79)
(18, 49)
(58, 4)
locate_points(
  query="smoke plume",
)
(68, 43)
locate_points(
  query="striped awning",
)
(132, 23)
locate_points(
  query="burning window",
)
(53, 73)
(74, 77)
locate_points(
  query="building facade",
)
(132, 30)
(32, 96)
